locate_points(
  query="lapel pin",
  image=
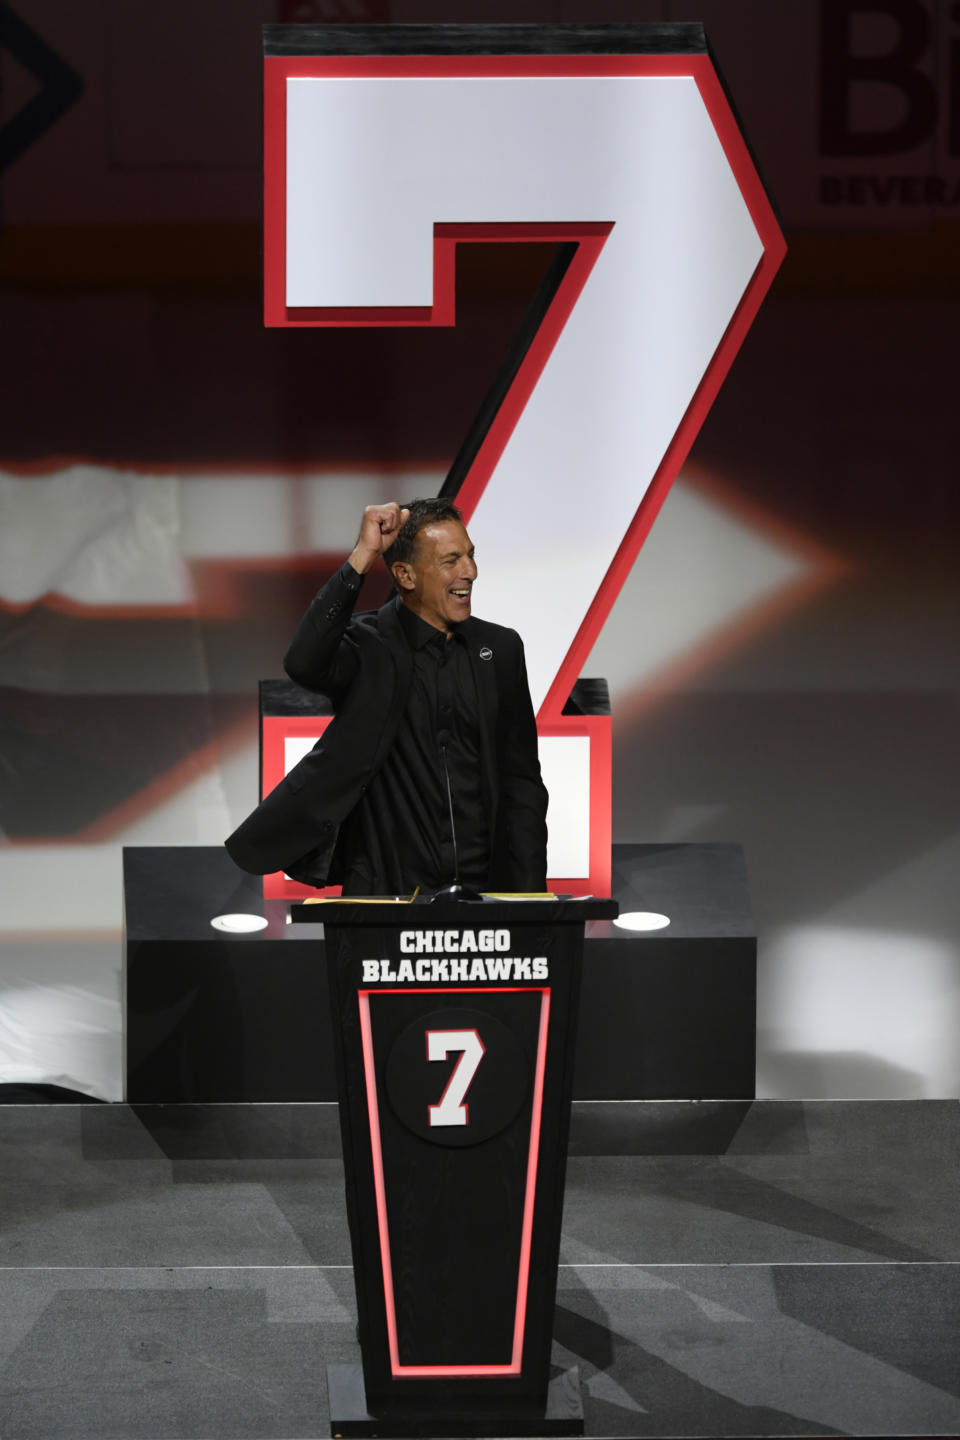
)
(486, 653)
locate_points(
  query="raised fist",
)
(378, 530)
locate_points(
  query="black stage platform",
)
(755, 1269)
(211, 1017)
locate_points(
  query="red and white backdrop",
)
(175, 481)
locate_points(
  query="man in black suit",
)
(432, 707)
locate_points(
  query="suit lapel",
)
(484, 673)
(389, 627)
(482, 663)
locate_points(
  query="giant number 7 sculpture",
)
(385, 147)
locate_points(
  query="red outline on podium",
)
(373, 1111)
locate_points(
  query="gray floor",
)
(727, 1269)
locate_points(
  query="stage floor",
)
(728, 1269)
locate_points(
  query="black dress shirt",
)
(398, 836)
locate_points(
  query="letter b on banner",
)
(858, 79)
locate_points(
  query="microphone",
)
(456, 890)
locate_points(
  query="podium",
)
(454, 1028)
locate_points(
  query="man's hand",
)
(378, 530)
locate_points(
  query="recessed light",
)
(239, 924)
(642, 920)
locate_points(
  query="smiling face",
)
(436, 582)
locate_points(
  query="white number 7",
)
(440, 1043)
(376, 168)
(633, 164)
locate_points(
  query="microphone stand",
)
(456, 890)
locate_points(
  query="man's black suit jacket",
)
(364, 664)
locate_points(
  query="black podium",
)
(454, 1028)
